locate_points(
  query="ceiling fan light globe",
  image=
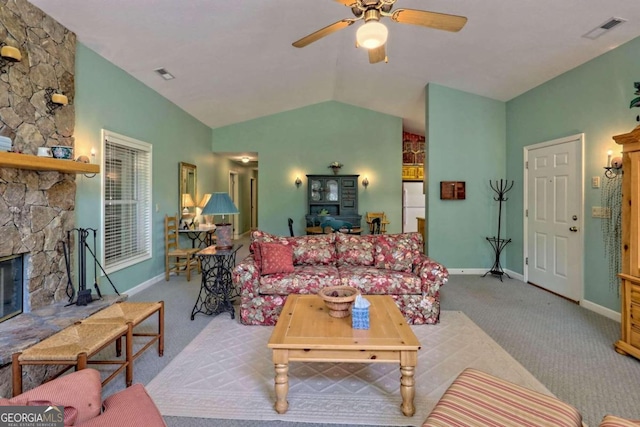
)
(372, 34)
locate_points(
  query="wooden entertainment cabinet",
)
(629, 343)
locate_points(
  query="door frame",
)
(579, 184)
(235, 196)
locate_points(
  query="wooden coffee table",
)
(306, 333)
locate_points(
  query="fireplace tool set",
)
(84, 294)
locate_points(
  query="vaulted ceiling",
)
(233, 60)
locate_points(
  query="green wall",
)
(109, 98)
(304, 141)
(593, 98)
(465, 140)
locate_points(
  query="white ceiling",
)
(233, 60)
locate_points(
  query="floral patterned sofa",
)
(391, 264)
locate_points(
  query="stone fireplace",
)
(36, 207)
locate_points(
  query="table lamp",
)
(221, 204)
(187, 202)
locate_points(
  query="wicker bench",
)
(76, 345)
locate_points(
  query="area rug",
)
(226, 372)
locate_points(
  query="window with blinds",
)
(126, 196)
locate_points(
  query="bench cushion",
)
(477, 399)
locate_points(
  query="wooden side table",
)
(216, 288)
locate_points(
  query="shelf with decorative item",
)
(38, 163)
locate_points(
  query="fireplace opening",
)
(11, 286)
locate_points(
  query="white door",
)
(553, 216)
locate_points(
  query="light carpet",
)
(226, 372)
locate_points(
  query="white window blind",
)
(126, 196)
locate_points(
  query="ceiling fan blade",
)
(323, 32)
(377, 54)
(439, 21)
(348, 3)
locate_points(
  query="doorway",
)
(233, 193)
(554, 204)
(254, 204)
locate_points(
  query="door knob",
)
(574, 229)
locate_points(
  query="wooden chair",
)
(383, 221)
(375, 225)
(290, 222)
(177, 259)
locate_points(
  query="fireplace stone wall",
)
(36, 208)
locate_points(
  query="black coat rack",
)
(84, 295)
(500, 188)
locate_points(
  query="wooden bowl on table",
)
(338, 299)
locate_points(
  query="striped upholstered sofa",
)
(477, 399)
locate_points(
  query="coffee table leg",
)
(408, 362)
(282, 388)
(281, 363)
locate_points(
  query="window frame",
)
(144, 190)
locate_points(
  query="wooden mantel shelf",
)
(31, 162)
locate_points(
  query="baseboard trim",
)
(482, 271)
(606, 312)
(146, 284)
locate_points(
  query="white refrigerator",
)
(413, 205)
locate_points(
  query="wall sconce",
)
(365, 182)
(55, 100)
(86, 159)
(614, 166)
(298, 182)
(9, 55)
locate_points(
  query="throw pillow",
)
(258, 237)
(276, 258)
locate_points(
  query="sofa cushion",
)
(613, 421)
(275, 258)
(352, 249)
(80, 389)
(478, 399)
(317, 249)
(375, 281)
(305, 279)
(131, 407)
(70, 413)
(397, 251)
(307, 250)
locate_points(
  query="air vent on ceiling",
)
(608, 25)
(164, 74)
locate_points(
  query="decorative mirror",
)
(187, 196)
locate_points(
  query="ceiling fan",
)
(373, 34)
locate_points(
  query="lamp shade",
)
(372, 34)
(220, 204)
(187, 201)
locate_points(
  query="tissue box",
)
(360, 318)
